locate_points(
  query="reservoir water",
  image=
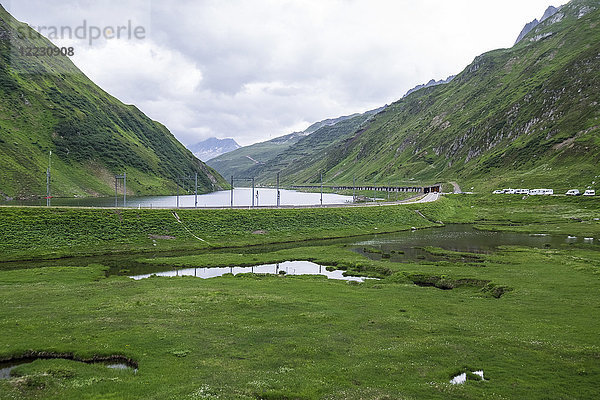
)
(242, 197)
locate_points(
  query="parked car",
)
(589, 193)
(541, 192)
(509, 191)
(522, 191)
(573, 192)
(499, 191)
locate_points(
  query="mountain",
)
(528, 28)
(550, 11)
(525, 116)
(248, 161)
(213, 147)
(305, 152)
(431, 83)
(238, 162)
(48, 105)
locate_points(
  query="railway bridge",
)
(392, 189)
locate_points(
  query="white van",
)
(509, 191)
(541, 192)
(573, 192)
(499, 191)
(590, 193)
(522, 191)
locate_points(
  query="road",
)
(428, 198)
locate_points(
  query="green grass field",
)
(292, 337)
(29, 233)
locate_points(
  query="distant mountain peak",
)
(213, 147)
(550, 11)
(431, 83)
(528, 28)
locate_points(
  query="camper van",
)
(590, 193)
(522, 191)
(541, 192)
(573, 192)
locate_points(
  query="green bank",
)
(29, 233)
(42, 233)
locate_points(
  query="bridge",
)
(392, 189)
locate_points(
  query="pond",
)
(403, 247)
(408, 246)
(242, 197)
(110, 362)
(284, 268)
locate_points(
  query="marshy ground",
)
(527, 316)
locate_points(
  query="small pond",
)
(462, 378)
(7, 366)
(287, 267)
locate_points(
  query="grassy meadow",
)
(31, 233)
(527, 317)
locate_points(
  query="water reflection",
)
(242, 197)
(287, 267)
(408, 246)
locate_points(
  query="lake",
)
(242, 197)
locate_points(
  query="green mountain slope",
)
(289, 153)
(240, 161)
(308, 150)
(47, 104)
(522, 117)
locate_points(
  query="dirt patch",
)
(570, 141)
(260, 232)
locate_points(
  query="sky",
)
(253, 70)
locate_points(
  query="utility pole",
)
(278, 194)
(388, 191)
(321, 188)
(196, 191)
(48, 177)
(124, 178)
(231, 191)
(124, 189)
(375, 191)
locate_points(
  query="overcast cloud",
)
(253, 70)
